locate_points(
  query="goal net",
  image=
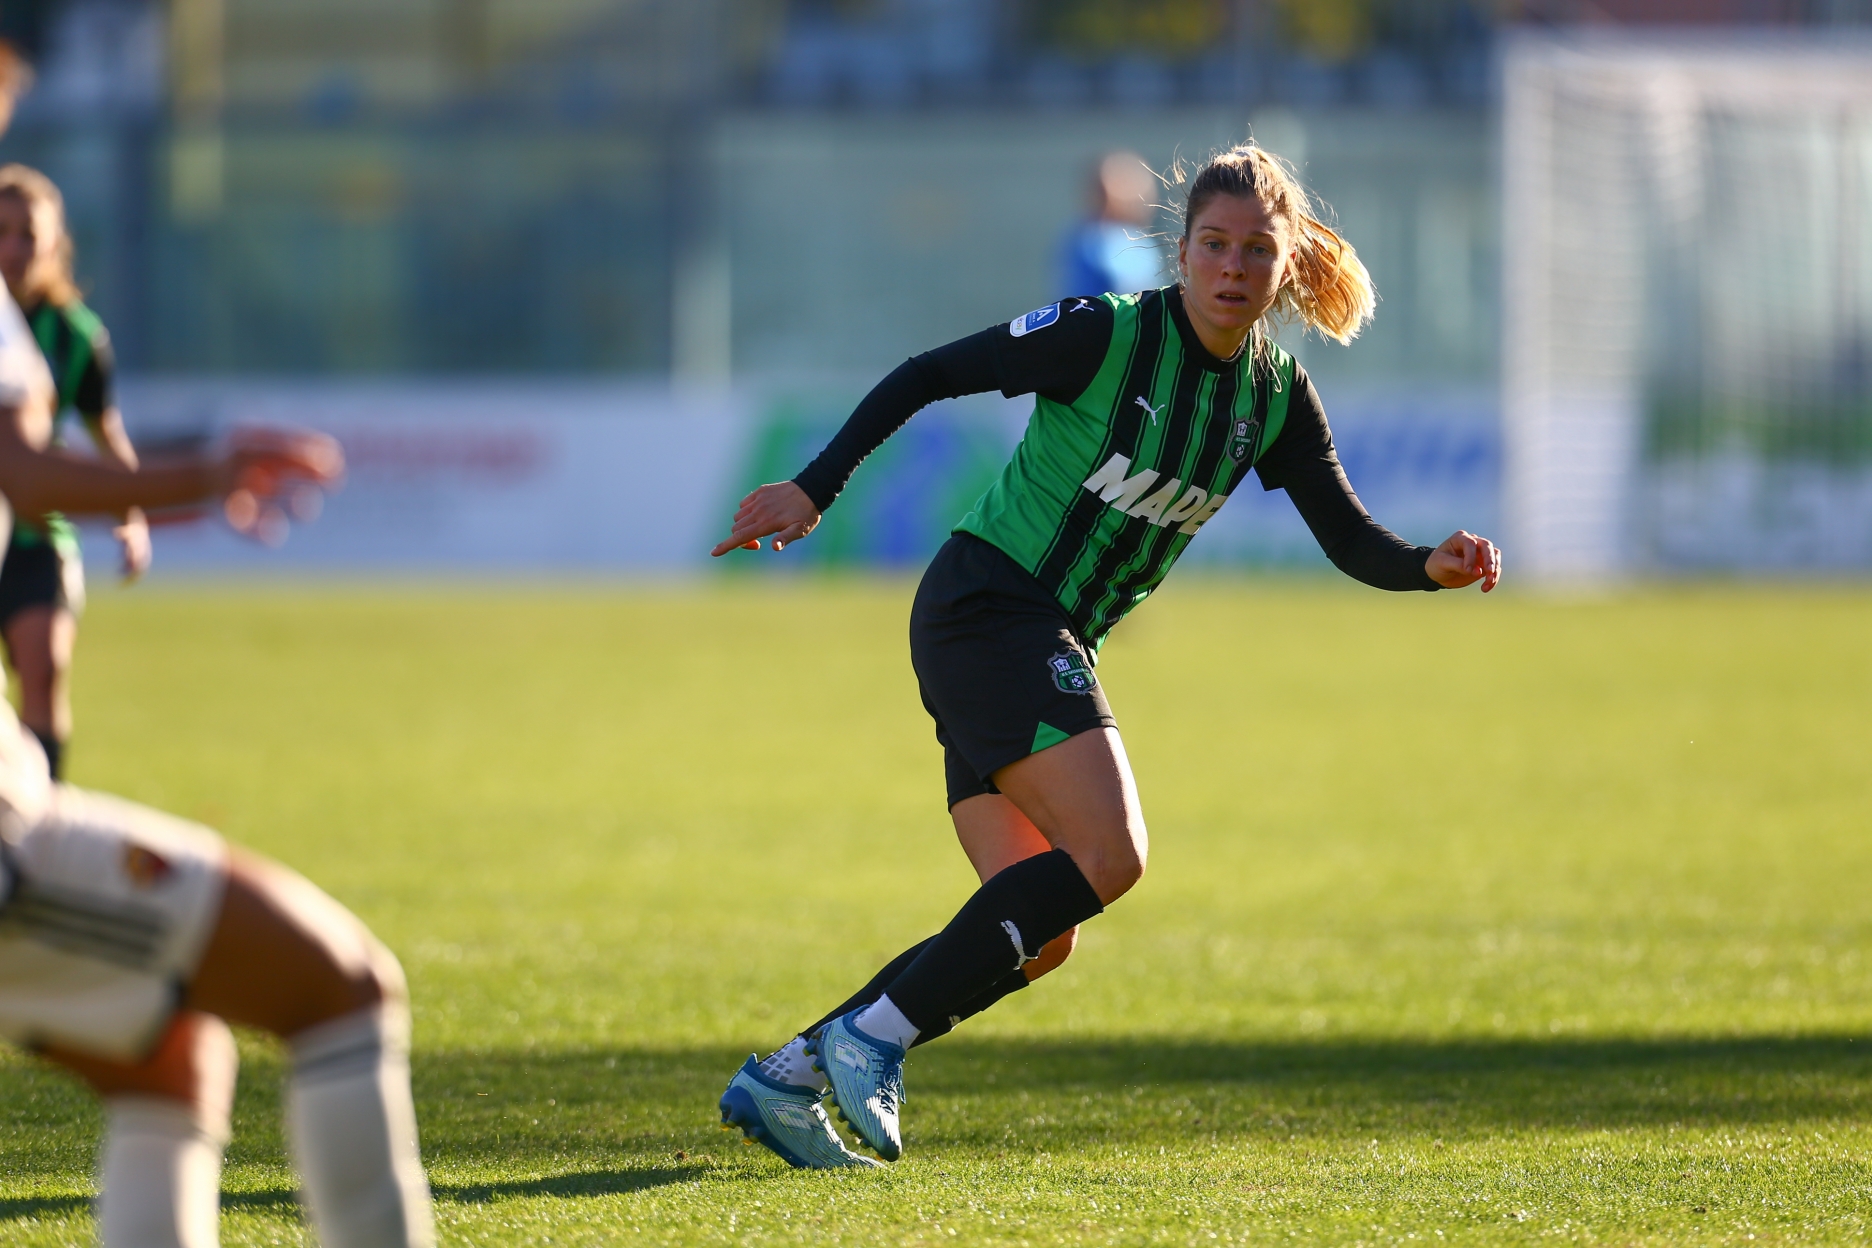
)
(1687, 328)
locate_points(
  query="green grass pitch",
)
(1468, 920)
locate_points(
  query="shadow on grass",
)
(586, 1183)
(20, 1208)
(1588, 1068)
(267, 1200)
(591, 1123)
(1527, 1083)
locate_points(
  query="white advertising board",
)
(548, 477)
(518, 478)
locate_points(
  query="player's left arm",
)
(132, 529)
(111, 438)
(1304, 462)
(97, 407)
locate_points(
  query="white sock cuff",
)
(165, 1118)
(883, 1020)
(352, 1128)
(351, 1043)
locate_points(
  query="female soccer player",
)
(1150, 409)
(42, 580)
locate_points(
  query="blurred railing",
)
(711, 187)
(370, 248)
(765, 242)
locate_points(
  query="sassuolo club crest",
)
(1241, 439)
(1070, 672)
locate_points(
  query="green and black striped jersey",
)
(77, 349)
(1138, 437)
(1106, 490)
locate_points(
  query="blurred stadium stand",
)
(717, 190)
(393, 186)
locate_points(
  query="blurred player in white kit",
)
(130, 939)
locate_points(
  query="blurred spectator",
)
(1112, 250)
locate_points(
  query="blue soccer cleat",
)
(786, 1118)
(867, 1082)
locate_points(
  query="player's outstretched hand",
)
(132, 533)
(780, 511)
(1462, 560)
(276, 475)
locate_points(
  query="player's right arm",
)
(1059, 361)
(255, 466)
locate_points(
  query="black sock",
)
(999, 929)
(875, 989)
(1008, 984)
(54, 752)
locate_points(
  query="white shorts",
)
(105, 909)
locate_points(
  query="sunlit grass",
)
(1466, 919)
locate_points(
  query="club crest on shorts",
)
(1241, 439)
(1070, 672)
(145, 867)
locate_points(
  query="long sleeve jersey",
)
(1138, 437)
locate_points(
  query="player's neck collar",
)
(1192, 345)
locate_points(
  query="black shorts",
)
(32, 576)
(1001, 670)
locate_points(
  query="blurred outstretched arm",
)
(261, 463)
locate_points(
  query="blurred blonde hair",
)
(1327, 287)
(16, 75)
(52, 268)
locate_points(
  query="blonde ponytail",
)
(1327, 287)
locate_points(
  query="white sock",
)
(882, 1020)
(353, 1130)
(160, 1174)
(791, 1063)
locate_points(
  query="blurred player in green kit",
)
(42, 579)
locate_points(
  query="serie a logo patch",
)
(1070, 672)
(1039, 318)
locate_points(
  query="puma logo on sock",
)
(1021, 956)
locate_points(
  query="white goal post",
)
(1687, 302)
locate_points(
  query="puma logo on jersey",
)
(1170, 504)
(1147, 407)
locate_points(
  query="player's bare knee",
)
(372, 977)
(215, 1063)
(195, 1062)
(384, 981)
(1116, 872)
